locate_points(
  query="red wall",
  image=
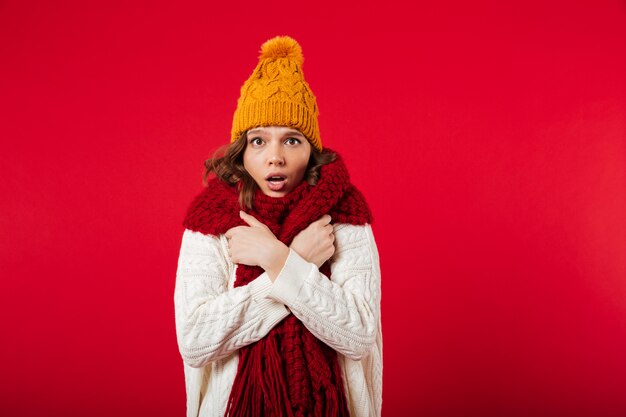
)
(489, 140)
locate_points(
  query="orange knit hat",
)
(276, 93)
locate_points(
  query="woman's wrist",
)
(276, 260)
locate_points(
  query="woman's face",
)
(276, 151)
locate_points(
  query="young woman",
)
(278, 291)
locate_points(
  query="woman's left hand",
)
(252, 245)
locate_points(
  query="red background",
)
(488, 138)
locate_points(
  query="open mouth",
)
(276, 182)
(275, 177)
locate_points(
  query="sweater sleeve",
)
(213, 320)
(343, 311)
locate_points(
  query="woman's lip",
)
(276, 186)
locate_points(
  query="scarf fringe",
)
(262, 362)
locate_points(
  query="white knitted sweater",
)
(214, 319)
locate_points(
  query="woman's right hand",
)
(315, 244)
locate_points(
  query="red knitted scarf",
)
(289, 372)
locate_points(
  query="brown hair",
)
(229, 168)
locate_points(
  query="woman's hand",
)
(315, 244)
(255, 245)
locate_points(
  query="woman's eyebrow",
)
(288, 132)
(293, 132)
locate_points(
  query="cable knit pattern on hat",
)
(276, 93)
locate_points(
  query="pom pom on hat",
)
(282, 47)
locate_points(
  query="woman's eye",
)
(294, 140)
(253, 141)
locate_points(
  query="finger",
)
(251, 220)
(232, 231)
(325, 219)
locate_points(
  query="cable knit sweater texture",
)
(214, 319)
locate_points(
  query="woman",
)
(278, 284)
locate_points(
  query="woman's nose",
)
(276, 160)
(275, 153)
